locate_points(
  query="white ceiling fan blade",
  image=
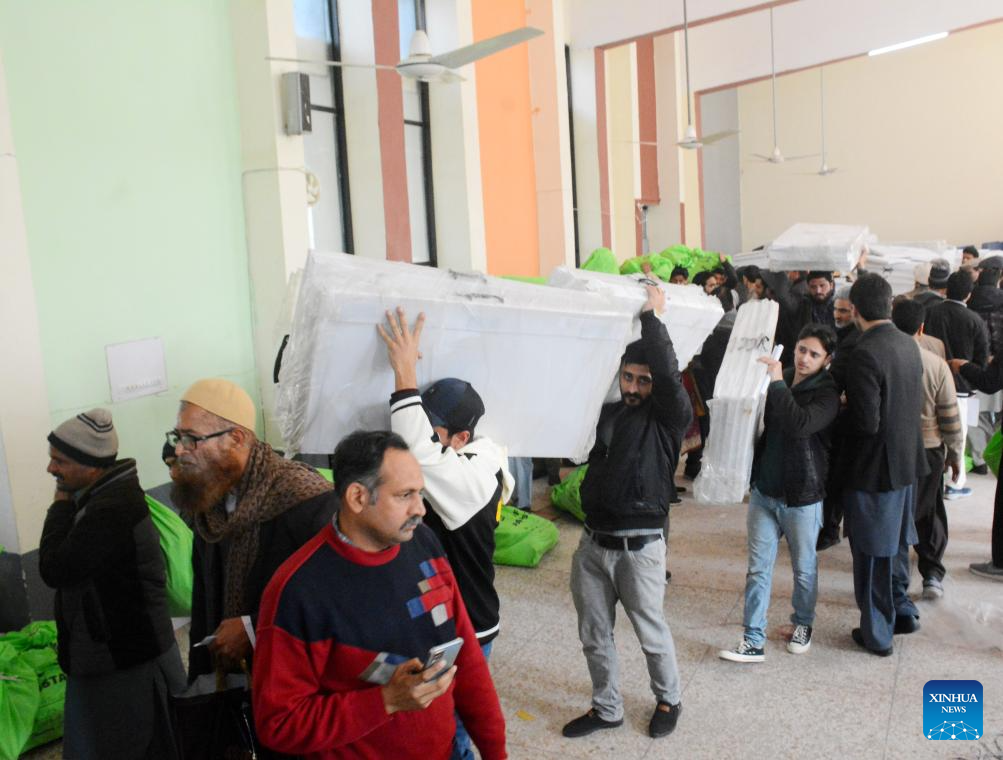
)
(448, 77)
(799, 158)
(338, 64)
(762, 157)
(464, 55)
(718, 136)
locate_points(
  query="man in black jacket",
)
(251, 510)
(884, 458)
(965, 337)
(101, 552)
(987, 302)
(625, 497)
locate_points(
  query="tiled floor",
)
(834, 702)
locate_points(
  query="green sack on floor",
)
(522, 538)
(36, 643)
(176, 546)
(566, 495)
(18, 701)
(993, 451)
(602, 260)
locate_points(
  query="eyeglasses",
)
(189, 441)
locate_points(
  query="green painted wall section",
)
(126, 129)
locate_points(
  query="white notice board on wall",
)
(136, 369)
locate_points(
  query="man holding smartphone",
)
(625, 496)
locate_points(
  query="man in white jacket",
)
(466, 478)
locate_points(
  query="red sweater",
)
(334, 623)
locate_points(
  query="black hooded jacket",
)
(629, 481)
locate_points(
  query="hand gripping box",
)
(540, 357)
(827, 247)
(690, 314)
(737, 406)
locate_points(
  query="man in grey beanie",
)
(101, 552)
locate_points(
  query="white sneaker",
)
(800, 640)
(932, 589)
(744, 652)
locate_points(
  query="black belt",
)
(623, 543)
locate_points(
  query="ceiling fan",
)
(776, 157)
(825, 170)
(420, 64)
(690, 140)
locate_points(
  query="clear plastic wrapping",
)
(896, 262)
(690, 314)
(830, 247)
(540, 357)
(737, 406)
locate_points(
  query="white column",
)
(456, 152)
(663, 218)
(583, 103)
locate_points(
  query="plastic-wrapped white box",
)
(736, 408)
(830, 247)
(690, 314)
(540, 357)
(896, 262)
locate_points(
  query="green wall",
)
(127, 134)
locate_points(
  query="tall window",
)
(571, 142)
(318, 38)
(417, 142)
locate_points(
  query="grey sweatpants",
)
(599, 579)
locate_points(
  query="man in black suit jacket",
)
(884, 458)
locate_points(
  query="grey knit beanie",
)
(88, 438)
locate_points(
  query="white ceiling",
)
(807, 32)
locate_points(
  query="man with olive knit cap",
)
(251, 509)
(101, 552)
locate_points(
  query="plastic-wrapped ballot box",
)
(897, 262)
(541, 358)
(825, 247)
(690, 314)
(737, 406)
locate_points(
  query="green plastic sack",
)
(993, 451)
(522, 538)
(566, 495)
(176, 546)
(525, 278)
(18, 701)
(602, 260)
(36, 643)
(327, 474)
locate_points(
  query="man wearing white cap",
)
(101, 552)
(251, 510)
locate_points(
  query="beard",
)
(197, 488)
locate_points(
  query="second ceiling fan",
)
(690, 140)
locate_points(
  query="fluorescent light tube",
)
(908, 43)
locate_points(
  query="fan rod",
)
(821, 97)
(686, 47)
(773, 80)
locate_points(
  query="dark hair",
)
(823, 333)
(752, 273)
(718, 270)
(680, 271)
(819, 275)
(359, 457)
(871, 295)
(701, 277)
(971, 250)
(908, 315)
(990, 276)
(959, 286)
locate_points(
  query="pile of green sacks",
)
(32, 689)
(566, 495)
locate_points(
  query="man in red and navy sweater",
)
(347, 622)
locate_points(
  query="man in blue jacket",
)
(625, 497)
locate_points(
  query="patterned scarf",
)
(270, 486)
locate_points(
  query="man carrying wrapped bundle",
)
(625, 497)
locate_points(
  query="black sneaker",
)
(906, 624)
(663, 722)
(587, 724)
(825, 541)
(744, 652)
(980, 469)
(800, 640)
(858, 639)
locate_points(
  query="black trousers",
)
(998, 527)
(931, 517)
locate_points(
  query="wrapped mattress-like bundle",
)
(737, 406)
(541, 358)
(826, 247)
(690, 314)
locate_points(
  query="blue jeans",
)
(461, 741)
(768, 520)
(522, 471)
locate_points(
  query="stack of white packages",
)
(690, 314)
(736, 408)
(541, 358)
(830, 247)
(896, 262)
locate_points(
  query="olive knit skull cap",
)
(224, 399)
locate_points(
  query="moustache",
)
(411, 523)
(635, 396)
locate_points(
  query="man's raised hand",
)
(402, 347)
(656, 299)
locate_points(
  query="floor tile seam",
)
(891, 701)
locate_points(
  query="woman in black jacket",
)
(788, 484)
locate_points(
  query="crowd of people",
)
(363, 612)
